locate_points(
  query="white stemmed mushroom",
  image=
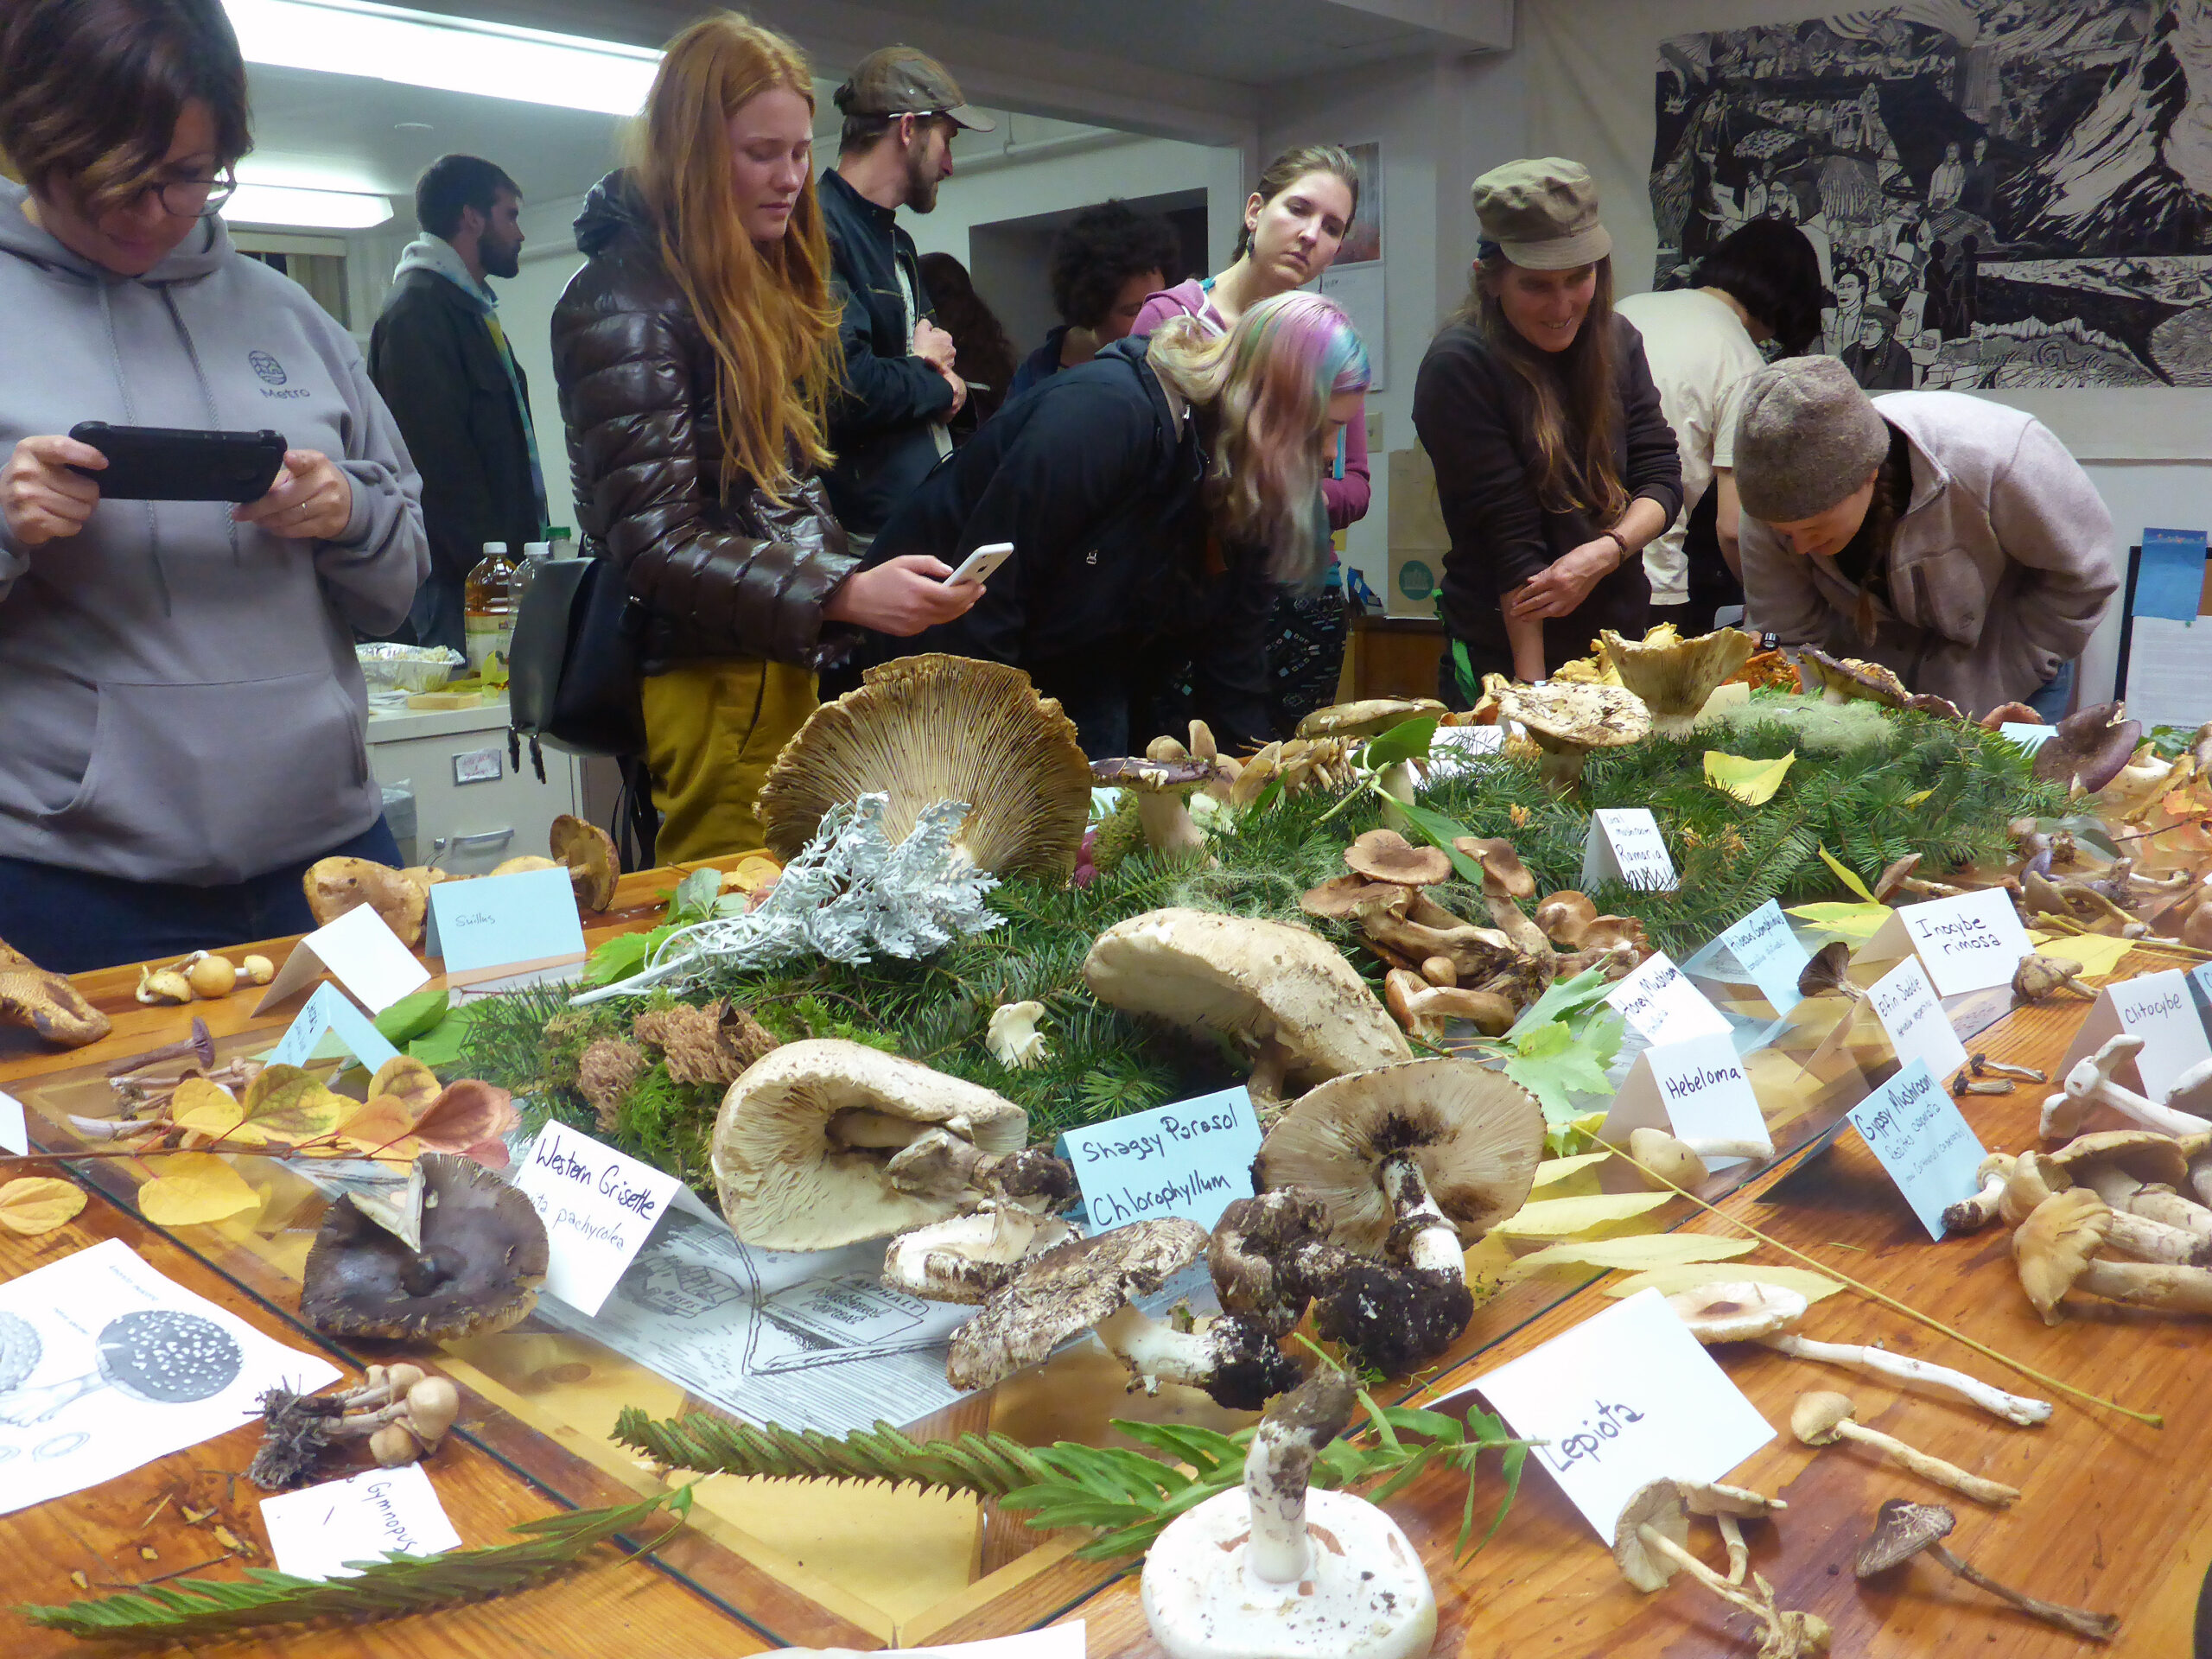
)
(1013, 1038)
(1903, 1531)
(1973, 1214)
(2036, 1176)
(2138, 1172)
(1278, 1571)
(1770, 1314)
(967, 1257)
(2091, 1084)
(1162, 789)
(1652, 1544)
(1729, 1507)
(1681, 1161)
(1821, 1418)
(2055, 1251)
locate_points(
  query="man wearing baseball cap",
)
(887, 423)
(1953, 539)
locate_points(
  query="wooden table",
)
(2116, 1515)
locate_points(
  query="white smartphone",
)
(978, 566)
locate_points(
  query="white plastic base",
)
(1366, 1596)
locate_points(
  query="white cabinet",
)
(472, 808)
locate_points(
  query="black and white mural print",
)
(2004, 192)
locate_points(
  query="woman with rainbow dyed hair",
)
(1157, 497)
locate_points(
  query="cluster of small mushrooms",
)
(400, 1410)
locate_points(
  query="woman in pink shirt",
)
(1293, 224)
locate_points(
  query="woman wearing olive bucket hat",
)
(1953, 539)
(1553, 464)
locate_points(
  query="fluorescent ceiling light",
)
(324, 209)
(452, 55)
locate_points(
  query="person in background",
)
(1877, 360)
(1554, 466)
(188, 715)
(1951, 539)
(1106, 262)
(980, 345)
(1293, 224)
(442, 362)
(696, 352)
(1155, 497)
(901, 381)
(1850, 284)
(1701, 343)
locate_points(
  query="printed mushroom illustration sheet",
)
(106, 1365)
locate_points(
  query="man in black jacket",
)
(887, 423)
(443, 365)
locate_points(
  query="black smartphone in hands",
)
(161, 463)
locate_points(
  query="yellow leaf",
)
(287, 1105)
(1644, 1250)
(1667, 1280)
(1752, 782)
(1844, 876)
(1917, 796)
(193, 1187)
(407, 1080)
(1553, 1171)
(2098, 955)
(1855, 923)
(383, 1126)
(211, 1109)
(1557, 1217)
(39, 1203)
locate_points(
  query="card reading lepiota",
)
(1189, 1159)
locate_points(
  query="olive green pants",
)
(712, 731)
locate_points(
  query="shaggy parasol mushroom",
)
(1821, 1418)
(2089, 747)
(595, 865)
(480, 1258)
(46, 1002)
(929, 728)
(1840, 679)
(2055, 1251)
(336, 885)
(1091, 1284)
(1282, 1570)
(1903, 1531)
(1569, 721)
(1676, 677)
(2091, 1085)
(1163, 789)
(1368, 717)
(965, 1258)
(806, 1141)
(1770, 1314)
(1291, 999)
(1651, 1545)
(2035, 1176)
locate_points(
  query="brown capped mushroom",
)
(46, 1002)
(1650, 1546)
(1675, 677)
(1903, 1531)
(1369, 717)
(1386, 855)
(2137, 1171)
(595, 865)
(2089, 747)
(1568, 721)
(1163, 789)
(521, 864)
(2010, 714)
(1821, 1418)
(1423, 1008)
(335, 885)
(2057, 1248)
(1834, 679)
(2039, 977)
(2035, 1176)
(1506, 881)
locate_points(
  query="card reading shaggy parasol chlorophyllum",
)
(1189, 1159)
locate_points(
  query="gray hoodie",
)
(182, 701)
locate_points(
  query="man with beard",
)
(888, 422)
(443, 365)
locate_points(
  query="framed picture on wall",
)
(1363, 243)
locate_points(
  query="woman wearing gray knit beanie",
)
(1951, 539)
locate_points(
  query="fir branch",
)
(399, 1585)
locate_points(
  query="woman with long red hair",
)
(696, 352)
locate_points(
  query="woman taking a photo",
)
(187, 718)
(1155, 497)
(695, 353)
(1554, 465)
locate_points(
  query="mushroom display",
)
(1290, 999)
(1675, 675)
(335, 886)
(1821, 1418)
(2137, 1172)
(594, 866)
(826, 1142)
(1651, 1545)
(2089, 747)
(46, 1002)
(1840, 679)
(1162, 789)
(1091, 1284)
(2035, 1176)
(1729, 1507)
(1770, 1314)
(2056, 1251)
(1368, 717)
(1903, 1531)
(1568, 721)
(1278, 1570)
(481, 1256)
(965, 1258)
(929, 728)
(1424, 1010)
(2091, 1084)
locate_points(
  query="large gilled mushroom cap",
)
(2089, 747)
(1262, 980)
(1568, 721)
(1675, 677)
(1386, 855)
(1367, 717)
(1503, 869)
(1065, 1291)
(2154, 1159)
(1737, 1312)
(804, 1141)
(1657, 1504)
(46, 1003)
(483, 1256)
(335, 885)
(1901, 1530)
(1839, 679)
(2056, 1245)
(933, 727)
(594, 866)
(1475, 1133)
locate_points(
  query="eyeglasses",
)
(193, 198)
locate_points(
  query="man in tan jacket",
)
(1950, 538)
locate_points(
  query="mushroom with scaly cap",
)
(1568, 721)
(1903, 1531)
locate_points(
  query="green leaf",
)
(1463, 669)
(696, 894)
(1563, 997)
(1404, 742)
(445, 1042)
(411, 1016)
(1515, 1459)
(618, 958)
(1555, 1064)
(1442, 831)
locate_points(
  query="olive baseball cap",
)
(1543, 214)
(900, 80)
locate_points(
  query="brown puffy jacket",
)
(720, 577)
